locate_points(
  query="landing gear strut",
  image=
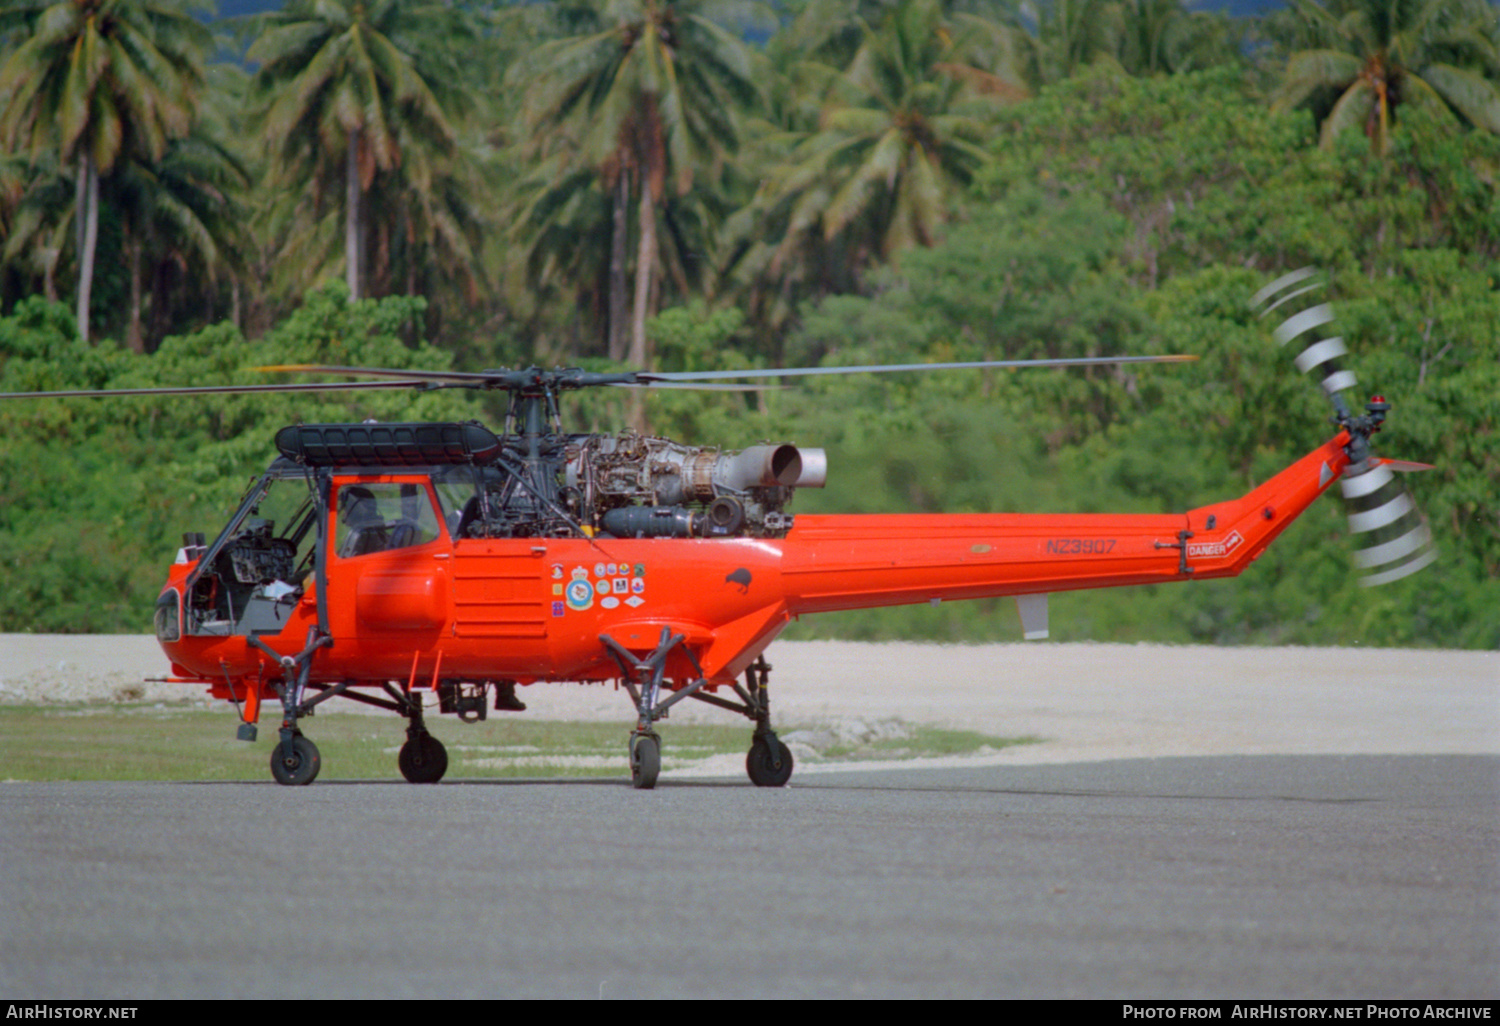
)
(423, 759)
(769, 763)
(295, 760)
(642, 678)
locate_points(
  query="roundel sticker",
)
(580, 595)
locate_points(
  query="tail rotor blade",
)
(1385, 520)
(1321, 351)
(1394, 537)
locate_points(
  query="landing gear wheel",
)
(300, 767)
(645, 761)
(423, 760)
(762, 767)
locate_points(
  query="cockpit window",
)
(460, 502)
(251, 576)
(380, 516)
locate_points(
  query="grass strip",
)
(146, 742)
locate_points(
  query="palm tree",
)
(1064, 35)
(567, 245)
(646, 95)
(1164, 37)
(95, 81)
(1137, 37)
(894, 138)
(1375, 55)
(828, 32)
(566, 256)
(899, 131)
(183, 223)
(348, 90)
(36, 212)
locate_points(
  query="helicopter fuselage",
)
(442, 557)
(404, 597)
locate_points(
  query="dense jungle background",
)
(684, 184)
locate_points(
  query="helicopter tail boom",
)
(863, 561)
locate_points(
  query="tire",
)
(762, 768)
(423, 760)
(645, 761)
(301, 767)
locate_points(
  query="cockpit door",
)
(389, 554)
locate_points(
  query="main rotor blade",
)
(692, 386)
(661, 379)
(506, 379)
(890, 368)
(213, 389)
(475, 379)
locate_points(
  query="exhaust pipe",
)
(760, 466)
(814, 469)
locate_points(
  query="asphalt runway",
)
(1253, 876)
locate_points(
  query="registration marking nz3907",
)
(1079, 546)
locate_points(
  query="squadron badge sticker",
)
(583, 588)
(580, 595)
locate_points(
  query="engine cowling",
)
(611, 472)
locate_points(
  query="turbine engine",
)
(634, 486)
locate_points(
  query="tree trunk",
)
(133, 337)
(89, 237)
(617, 301)
(645, 261)
(80, 204)
(352, 249)
(161, 288)
(49, 274)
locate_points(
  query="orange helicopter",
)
(382, 562)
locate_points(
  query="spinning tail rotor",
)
(1395, 537)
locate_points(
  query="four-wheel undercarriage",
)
(423, 759)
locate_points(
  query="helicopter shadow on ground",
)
(611, 782)
(1350, 781)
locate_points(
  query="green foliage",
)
(1107, 214)
(697, 339)
(1365, 60)
(1085, 237)
(1225, 181)
(95, 495)
(357, 105)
